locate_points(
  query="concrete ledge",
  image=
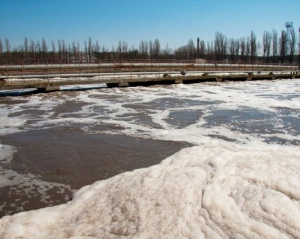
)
(48, 89)
(123, 84)
(52, 84)
(178, 81)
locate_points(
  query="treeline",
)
(273, 48)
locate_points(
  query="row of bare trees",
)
(273, 48)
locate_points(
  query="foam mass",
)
(220, 190)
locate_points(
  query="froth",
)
(210, 191)
(6, 153)
(242, 112)
(24, 186)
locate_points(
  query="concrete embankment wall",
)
(46, 78)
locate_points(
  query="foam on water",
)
(240, 181)
(26, 184)
(212, 191)
(83, 87)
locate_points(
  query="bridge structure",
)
(49, 77)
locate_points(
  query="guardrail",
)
(124, 74)
(48, 69)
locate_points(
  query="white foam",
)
(213, 191)
(20, 122)
(81, 87)
(6, 153)
(8, 124)
(27, 184)
(264, 96)
(216, 190)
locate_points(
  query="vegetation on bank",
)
(273, 48)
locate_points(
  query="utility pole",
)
(289, 26)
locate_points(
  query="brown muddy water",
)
(67, 155)
(66, 140)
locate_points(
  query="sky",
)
(172, 22)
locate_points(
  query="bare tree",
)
(53, 49)
(53, 46)
(124, 47)
(258, 48)
(267, 37)
(18, 51)
(167, 52)
(143, 48)
(96, 50)
(146, 48)
(97, 47)
(7, 45)
(248, 49)
(64, 51)
(182, 52)
(275, 45)
(90, 50)
(59, 49)
(25, 46)
(292, 44)
(86, 50)
(119, 48)
(80, 55)
(234, 48)
(253, 46)
(220, 46)
(75, 51)
(243, 48)
(237, 48)
(191, 48)
(32, 48)
(202, 49)
(38, 48)
(151, 51)
(44, 47)
(156, 48)
(112, 51)
(283, 44)
(210, 50)
(231, 48)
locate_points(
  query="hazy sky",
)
(173, 22)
